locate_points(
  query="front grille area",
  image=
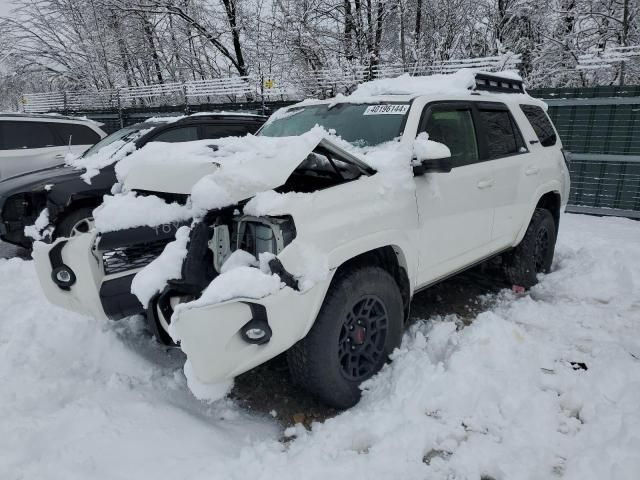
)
(123, 259)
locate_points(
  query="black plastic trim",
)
(117, 300)
(258, 320)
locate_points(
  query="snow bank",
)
(500, 398)
(84, 399)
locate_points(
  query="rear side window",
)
(176, 135)
(503, 137)
(16, 135)
(221, 131)
(454, 128)
(75, 134)
(541, 124)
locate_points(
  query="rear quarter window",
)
(503, 136)
(541, 124)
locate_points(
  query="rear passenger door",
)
(512, 164)
(26, 146)
(455, 208)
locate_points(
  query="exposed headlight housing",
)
(257, 235)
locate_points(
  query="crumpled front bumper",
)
(210, 335)
(77, 254)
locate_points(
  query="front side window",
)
(125, 134)
(362, 125)
(454, 128)
(221, 131)
(15, 135)
(503, 138)
(176, 135)
(541, 124)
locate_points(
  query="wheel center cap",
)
(359, 335)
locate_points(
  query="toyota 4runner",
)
(316, 242)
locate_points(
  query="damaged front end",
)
(227, 319)
(211, 242)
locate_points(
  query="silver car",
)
(34, 142)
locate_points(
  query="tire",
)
(323, 362)
(534, 253)
(75, 222)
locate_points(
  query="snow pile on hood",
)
(127, 210)
(104, 157)
(218, 173)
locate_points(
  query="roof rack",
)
(496, 83)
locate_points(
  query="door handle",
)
(531, 171)
(60, 155)
(488, 183)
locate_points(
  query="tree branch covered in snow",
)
(102, 44)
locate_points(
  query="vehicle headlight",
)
(257, 235)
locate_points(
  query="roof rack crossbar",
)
(496, 83)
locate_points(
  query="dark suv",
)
(70, 199)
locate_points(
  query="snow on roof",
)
(459, 83)
(171, 119)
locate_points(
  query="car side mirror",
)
(434, 165)
(430, 157)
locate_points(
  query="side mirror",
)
(430, 157)
(435, 165)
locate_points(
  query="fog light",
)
(63, 276)
(257, 332)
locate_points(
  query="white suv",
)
(314, 243)
(34, 142)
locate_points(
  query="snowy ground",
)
(498, 399)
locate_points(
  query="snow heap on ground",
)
(36, 230)
(499, 399)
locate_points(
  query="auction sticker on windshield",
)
(387, 109)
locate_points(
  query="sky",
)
(5, 6)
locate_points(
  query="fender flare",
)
(550, 187)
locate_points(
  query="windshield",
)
(127, 133)
(362, 125)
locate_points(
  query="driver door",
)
(456, 208)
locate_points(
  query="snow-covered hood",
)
(215, 173)
(241, 167)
